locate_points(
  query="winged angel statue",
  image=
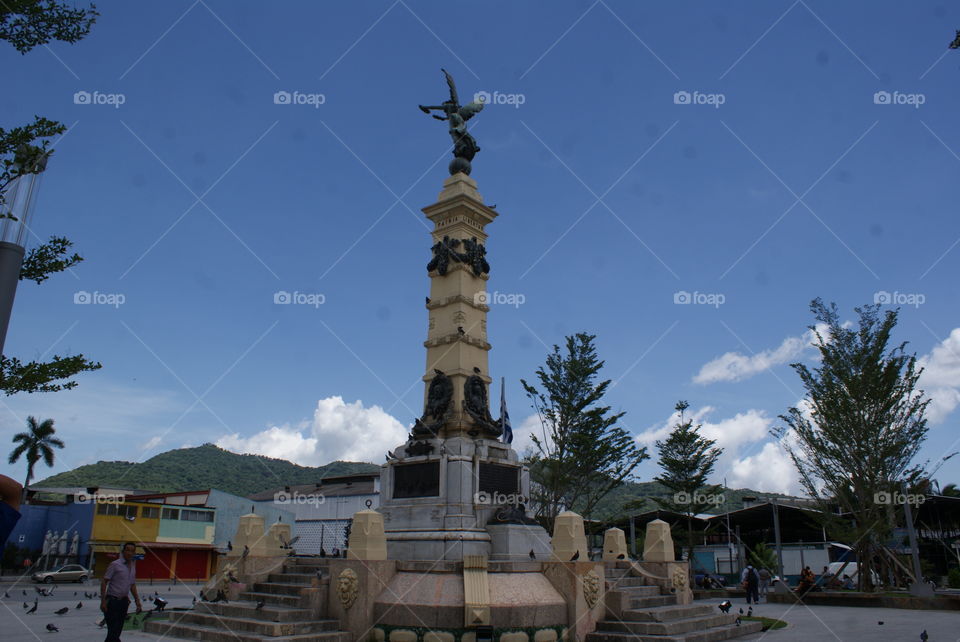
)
(464, 145)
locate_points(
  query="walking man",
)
(118, 582)
(751, 582)
(765, 578)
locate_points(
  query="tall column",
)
(457, 309)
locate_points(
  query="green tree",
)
(686, 460)
(950, 490)
(26, 24)
(763, 557)
(581, 453)
(36, 444)
(859, 427)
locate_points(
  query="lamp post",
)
(16, 208)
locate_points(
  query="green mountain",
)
(200, 468)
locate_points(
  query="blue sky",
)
(737, 151)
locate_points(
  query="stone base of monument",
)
(513, 542)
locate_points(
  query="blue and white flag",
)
(505, 416)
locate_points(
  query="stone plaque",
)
(416, 480)
(495, 478)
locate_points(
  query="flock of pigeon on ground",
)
(159, 604)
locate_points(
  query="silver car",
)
(68, 573)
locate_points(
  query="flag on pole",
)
(504, 415)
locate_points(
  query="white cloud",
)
(730, 434)
(771, 470)
(338, 431)
(735, 366)
(941, 377)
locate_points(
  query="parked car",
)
(68, 573)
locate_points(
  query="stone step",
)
(666, 613)
(270, 598)
(256, 626)
(300, 569)
(309, 561)
(652, 601)
(221, 633)
(277, 588)
(671, 627)
(712, 634)
(269, 612)
(635, 590)
(292, 578)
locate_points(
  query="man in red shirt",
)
(119, 580)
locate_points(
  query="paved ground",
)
(79, 624)
(806, 624)
(832, 623)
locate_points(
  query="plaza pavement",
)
(851, 623)
(806, 624)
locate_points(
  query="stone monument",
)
(454, 488)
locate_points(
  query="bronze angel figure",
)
(464, 145)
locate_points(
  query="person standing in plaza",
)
(751, 582)
(118, 582)
(765, 578)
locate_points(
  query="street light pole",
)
(16, 207)
(776, 534)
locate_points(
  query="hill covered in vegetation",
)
(200, 468)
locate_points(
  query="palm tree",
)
(38, 442)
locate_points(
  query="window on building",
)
(130, 512)
(196, 515)
(149, 512)
(106, 509)
(170, 513)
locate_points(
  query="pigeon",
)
(24, 592)
(880, 622)
(259, 606)
(26, 604)
(576, 556)
(460, 330)
(74, 594)
(232, 577)
(323, 552)
(749, 611)
(741, 610)
(52, 628)
(6, 594)
(194, 600)
(160, 604)
(725, 606)
(738, 621)
(428, 300)
(924, 636)
(63, 611)
(79, 605)
(533, 555)
(622, 556)
(33, 609)
(102, 622)
(246, 551)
